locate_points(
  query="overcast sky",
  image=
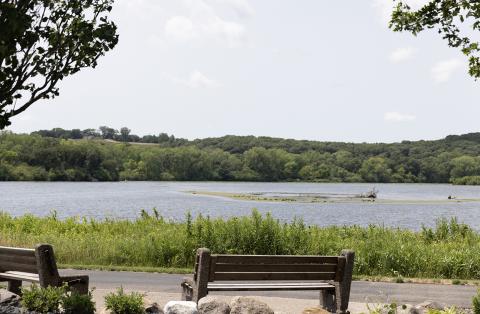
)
(306, 69)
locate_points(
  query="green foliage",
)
(393, 308)
(468, 180)
(448, 310)
(56, 300)
(447, 230)
(476, 303)
(51, 156)
(121, 303)
(448, 17)
(75, 303)
(450, 250)
(388, 308)
(44, 41)
(42, 300)
(375, 169)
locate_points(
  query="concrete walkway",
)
(161, 288)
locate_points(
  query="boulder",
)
(244, 305)
(9, 303)
(180, 307)
(425, 306)
(212, 305)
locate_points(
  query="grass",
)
(143, 269)
(449, 251)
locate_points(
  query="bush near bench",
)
(56, 300)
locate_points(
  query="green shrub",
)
(75, 303)
(42, 300)
(121, 303)
(388, 308)
(476, 303)
(447, 310)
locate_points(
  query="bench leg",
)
(327, 300)
(14, 286)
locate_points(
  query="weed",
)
(75, 303)
(121, 303)
(42, 300)
(476, 303)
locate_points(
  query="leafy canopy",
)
(451, 18)
(44, 41)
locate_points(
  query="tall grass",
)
(450, 250)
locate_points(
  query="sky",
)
(307, 69)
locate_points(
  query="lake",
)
(399, 205)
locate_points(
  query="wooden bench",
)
(331, 275)
(35, 265)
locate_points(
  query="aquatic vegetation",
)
(451, 250)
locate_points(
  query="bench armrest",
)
(188, 286)
(76, 283)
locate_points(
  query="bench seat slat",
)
(268, 287)
(285, 283)
(19, 276)
(21, 273)
(275, 267)
(276, 259)
(274, 276)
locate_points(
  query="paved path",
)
(362, 291)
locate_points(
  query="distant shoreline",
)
(56, 156)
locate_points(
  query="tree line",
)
(106, 155)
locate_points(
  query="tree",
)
(124, 133)
(108, 133)
(90, 133)
(447, 16)
(268, 163)
(465, 166)
(163, 138)
(44, 41)
(375, 169)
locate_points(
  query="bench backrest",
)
(269, 267)
(18, 259)
(40, 260)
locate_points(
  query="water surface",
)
(411, 206)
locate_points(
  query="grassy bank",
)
(451, 250)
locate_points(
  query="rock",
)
(243, 305)
(180, 307)
(315, 310)
(212, 305)
(427, 305)
(404, 308)
(9, 303)
(431, 305)
(154, 308)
